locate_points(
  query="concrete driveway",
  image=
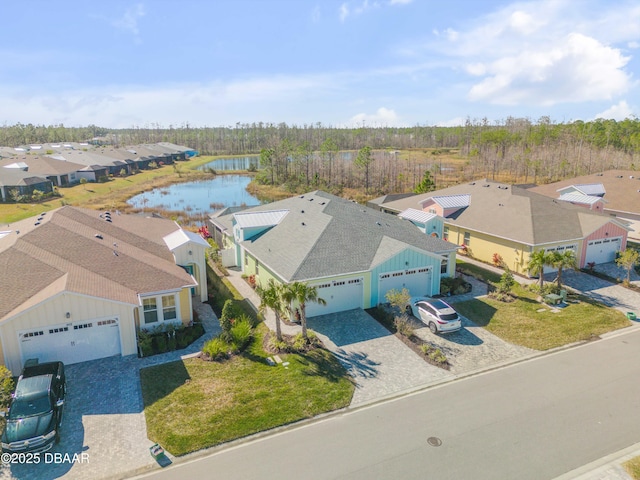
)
(378, 361)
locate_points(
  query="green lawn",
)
(196, 404)
(633, 467)
(520, 323)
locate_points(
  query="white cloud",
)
(129, 20)
(344, 12)
(383, 117)
(315, 14)
(618, 112)
(577, 68)
(400, 2)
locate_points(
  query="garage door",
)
(602, 251)
(72, 342)
(340, 296)
(416, 280)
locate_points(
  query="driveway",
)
(472, 347)
(378, 361)
(603, 291)
(103, 417)
(103, 423)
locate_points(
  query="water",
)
(201, 197)
(232, 163)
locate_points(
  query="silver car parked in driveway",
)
(437, 314)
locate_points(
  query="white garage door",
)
(416, 280)
(72, 342)
(602, 251)
(340, 296)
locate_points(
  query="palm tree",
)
(567, 259)
(537, 261)
(302, 293)
(271, 297)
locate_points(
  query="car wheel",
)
(433, 328)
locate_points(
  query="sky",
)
(150, 63)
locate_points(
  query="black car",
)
(35, 414)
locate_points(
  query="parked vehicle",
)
(35, 413)
(437, 314)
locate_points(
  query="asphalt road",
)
(534, 420)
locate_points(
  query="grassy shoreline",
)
(114, 193)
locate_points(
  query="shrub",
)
(276, 345)
(7, 386)
(171, 342)
(454, 286)
(403, 326)
(241, 333)
(160, 343)
(145, 342)
(216, 349)
(229, 313)
(437, 356)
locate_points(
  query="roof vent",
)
(472, 183)
(618, 176)
(97, 235)
(378, 223)
(37, 223)
(311, 199)
(301, 196)
(486, 185)
(301, 211)
(303, 224)
(598, 174)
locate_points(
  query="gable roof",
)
(450, 201)
(595, 189)
(324, 235)
(515, 213)
(622, 189)
(579, 198)
(74, 250)
(415, 215)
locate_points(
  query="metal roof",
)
(452, 201)
(589, 188)
(259, 219)
(416, 215)
(579, 198)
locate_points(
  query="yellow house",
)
(493, 221)
(78, 283)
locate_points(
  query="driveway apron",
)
(379, 362)
(603, 291)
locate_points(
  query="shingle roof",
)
(324, 235)
(513, 213)
(65, 253)
(622, 186)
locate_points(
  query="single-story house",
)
(19, 181)
(78, 283)
(488, 218)
(61, 173)
(614, 192)
(353, 254)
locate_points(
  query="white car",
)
(437, 314)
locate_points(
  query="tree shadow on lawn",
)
(322, 363)
(161, 380)
(478, 312)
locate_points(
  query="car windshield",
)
(29, 407)
(439, 305)
(449, 316)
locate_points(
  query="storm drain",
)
(434, 441)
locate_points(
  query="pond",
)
(198, 198)
(232, 163)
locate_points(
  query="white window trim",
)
(160, 310)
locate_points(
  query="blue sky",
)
(343, 63)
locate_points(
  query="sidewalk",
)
(607, 468)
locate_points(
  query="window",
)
(150, 310)
(467, 238)
(169, 307)
(444, 263)
(445, 233)
(432, 210)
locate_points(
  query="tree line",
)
(516, 149)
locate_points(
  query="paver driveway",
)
(378, 361)
(103, 419)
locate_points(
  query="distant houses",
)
(28, 169)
